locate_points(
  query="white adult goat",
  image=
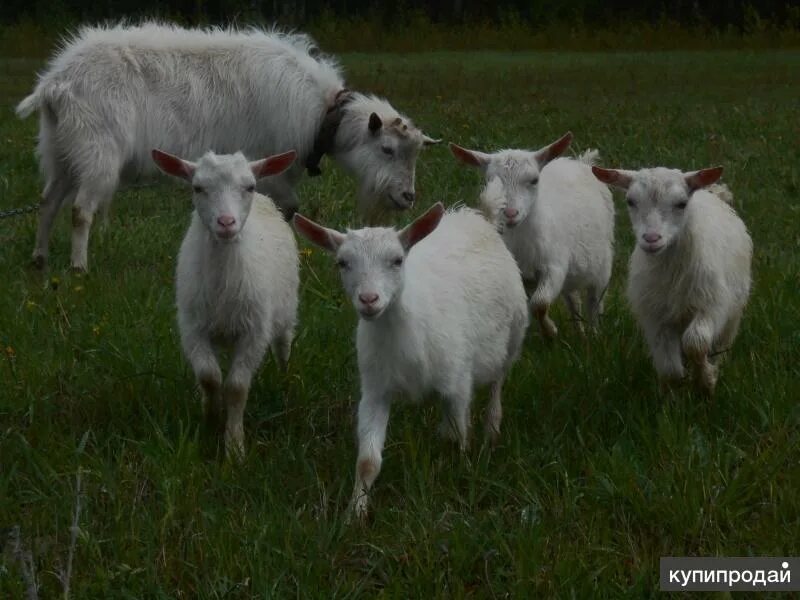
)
(113, 93)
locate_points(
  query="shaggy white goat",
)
(557, 220)
(442, 308)
(237, 279)
(113, 93)
(689, 273)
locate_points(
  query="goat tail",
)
(48, 99)
(30, 104)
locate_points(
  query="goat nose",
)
(368, 298)
(226, 221)
(510, 212)
(409, 197)
(651, 238)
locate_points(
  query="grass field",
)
(597, 475)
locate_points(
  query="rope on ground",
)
(13, 212)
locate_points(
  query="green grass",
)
(597, 474)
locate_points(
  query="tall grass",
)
(597, 475)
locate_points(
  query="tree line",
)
(737, 14)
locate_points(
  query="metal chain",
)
(13, 212)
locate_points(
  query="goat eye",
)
(631, 203)
(250, 189)
(343, 264)
(534, 181)
(387, 151)
(197, 189)
(397, 261)
(681, 205)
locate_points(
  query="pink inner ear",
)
(273, 165)
(608, 176)
(704, 177)
(314, 233)
(423, 226)
(172, 165)
(556, 149)
(465, 155)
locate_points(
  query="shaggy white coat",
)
(112, 94)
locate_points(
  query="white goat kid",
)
(113, 93)
(237, 279)
(558, 222)
(689, 276)
(442, 308)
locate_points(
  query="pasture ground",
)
(598, 474)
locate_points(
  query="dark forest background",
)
(717, 13)
(29, 28)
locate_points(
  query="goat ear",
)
(473, 158)
(375, 123)
(700, 179)
(329, 239)
(429, 141)
(272, 165)
(620, 179)
(172, 165)
(554, 150)
(421, 226)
